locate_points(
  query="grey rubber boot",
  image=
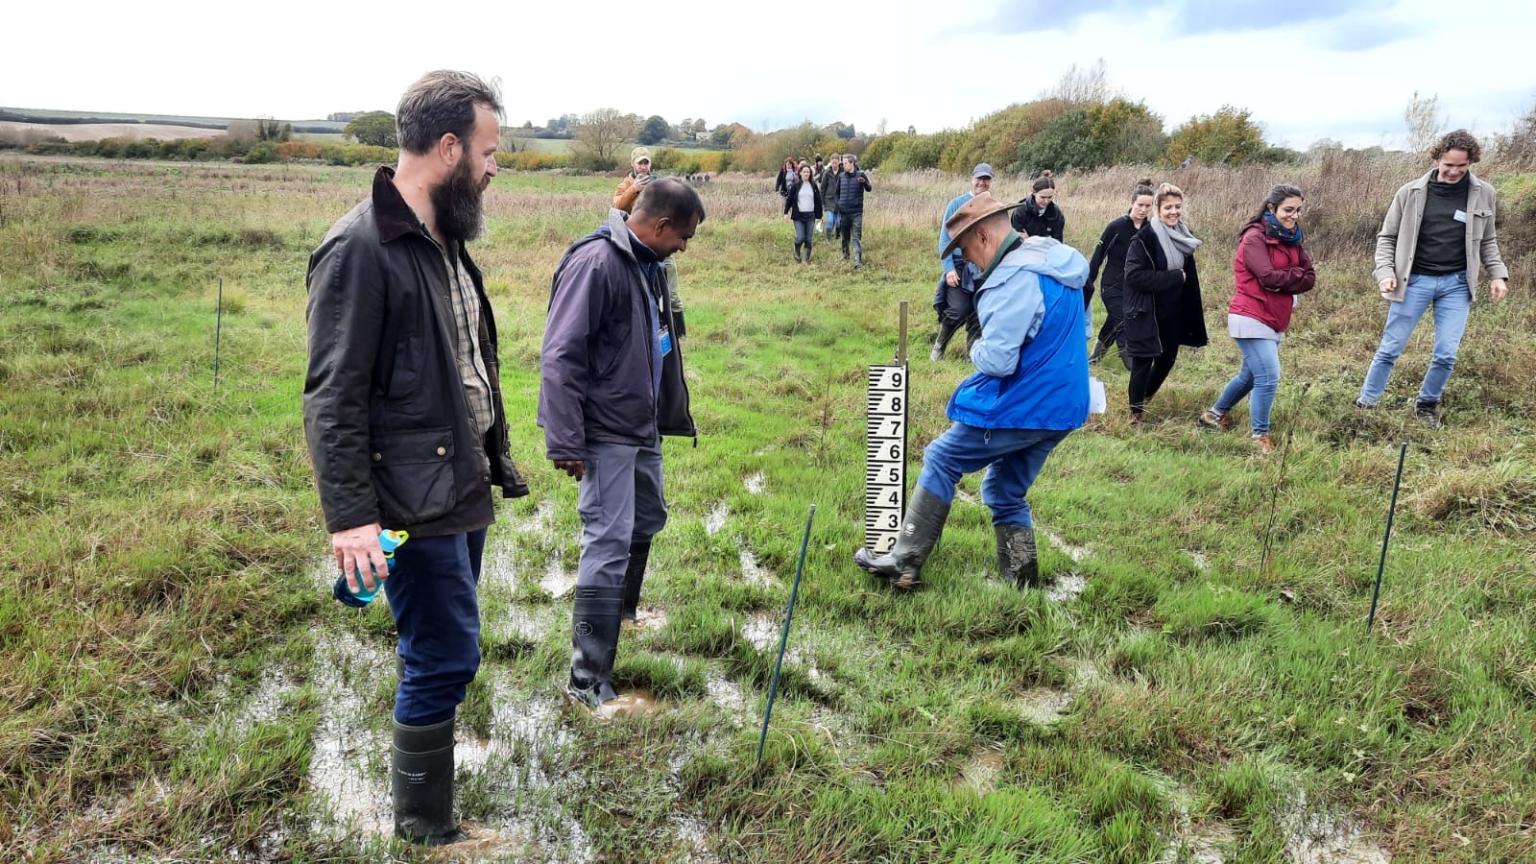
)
(920, 530)
(594, 642)
(1018, 561)
(634, 578)
(421, 780)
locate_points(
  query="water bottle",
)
(389, 541)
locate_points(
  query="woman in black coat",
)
(1038, 215)
(1109, 258)
(1161, 298)
(802, 205)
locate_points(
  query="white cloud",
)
(897, 61)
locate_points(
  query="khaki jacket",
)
(1399, 235)
(625, 196)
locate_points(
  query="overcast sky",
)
(1307, 69)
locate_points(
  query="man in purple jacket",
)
(611, 383)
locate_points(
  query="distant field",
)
(96, 131)
(44, 115)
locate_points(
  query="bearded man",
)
(404, 420)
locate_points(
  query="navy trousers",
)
(432, 595)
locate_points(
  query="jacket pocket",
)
(413, 475)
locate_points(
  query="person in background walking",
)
(817, 168)
(957, 277)
(1039, 215)
(1161, 298)
(1271, 271)
(803, 207)
(829, 179)
(624, 199)
(1109, 255)
(1438, 237)
(851, 186)
(1029, 391)
(786, 177)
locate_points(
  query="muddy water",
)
(1076, 553)
(754, 484)
(348, 764)
(1319, 835)
(558, 581)
(715, 520)
(1066, 587)
(981, 771)
(750, 570)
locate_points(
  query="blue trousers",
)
(1450, 300)
(621, 502)
(1015, 457)
(1260, 376)
(431, 593)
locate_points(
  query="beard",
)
(457, 204)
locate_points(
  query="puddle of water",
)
(716, 519)
(1076, 553)
(1066, 587)
(556, 580)
(265, 700)
(754, 484)
(1198, 558)
(980, 774)
(521, 722)
(693, 835)
(760, 630)
(350, 746)
(648, 618)
(750, 570)
(1207, 844)
(968, 498)
(1318, 836)
(635, 703)
(521, 623)
(726, 693)
(1043, 705)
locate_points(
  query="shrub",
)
(291, 150)
(261, 153)
(531, 160)
(1227, 137)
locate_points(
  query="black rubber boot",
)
(808, 253)
(1427, 413)
(421, 780)
(1100, 348)
(634, 577)
(947, 329)
(797, 253)
(920, 530)
(1018, 561)
(594, 642)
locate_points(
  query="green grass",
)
(176, 674)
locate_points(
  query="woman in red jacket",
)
(1271, 268)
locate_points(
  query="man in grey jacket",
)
(611, 383)
(1437, 239)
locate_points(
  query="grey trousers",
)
(620, 502)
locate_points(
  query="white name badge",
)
(1460, 216)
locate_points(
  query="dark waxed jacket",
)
(1109, 258)
(828, 184)
(1027, 219)
(596, 381)
(792, 201)
(1162, 307)
(385, 414)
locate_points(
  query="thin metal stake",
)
(789, 616)
(1265, 564)
(218, 333)
(1402, 454)
(901, 346)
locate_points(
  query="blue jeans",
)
(1260, 375)
(621, 503)
(829, 222)
(1450, 299)
(431, 594)
(1015, 457)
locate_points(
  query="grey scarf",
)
(1176, 242)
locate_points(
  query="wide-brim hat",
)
(971, 214)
